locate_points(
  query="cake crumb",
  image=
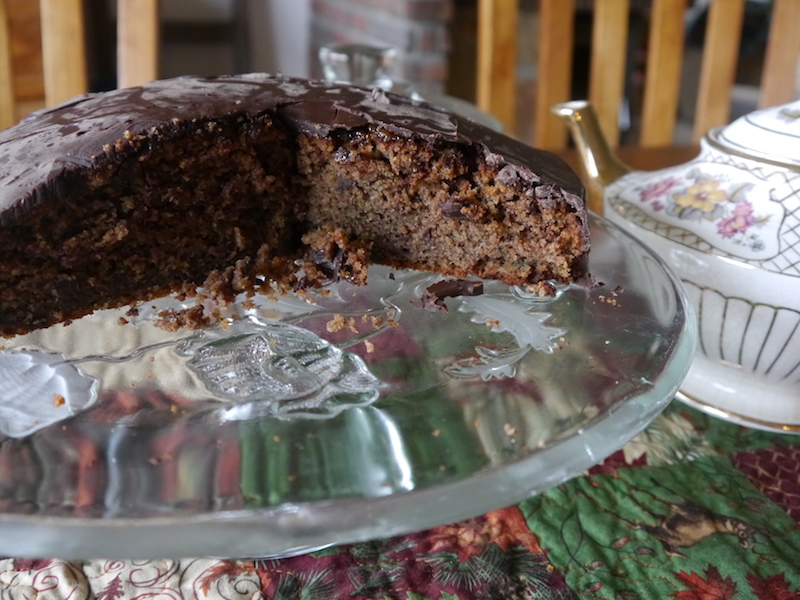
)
(337, 323)
(607, 300)
(544, 289)
(436, 432)
(58, 400)
(369, 346)
(340, 323)
(191, 318)
(374, 320)
(510, 430)
(123, 321)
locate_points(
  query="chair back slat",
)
(663, 73)
(718, 68)
(7, 107)
(497, 59)
(63, 50)
(779, 78)
(608, 63)
(137, 42)
(555, 50)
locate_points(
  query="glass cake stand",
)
(340, 415)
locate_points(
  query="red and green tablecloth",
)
(693, 508)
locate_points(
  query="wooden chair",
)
(63, 50)
(497, 60)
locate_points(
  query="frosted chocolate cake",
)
(232, 184)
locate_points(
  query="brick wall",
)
(418, 29)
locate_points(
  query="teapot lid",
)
(771, 134)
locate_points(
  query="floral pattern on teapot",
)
(706, 206)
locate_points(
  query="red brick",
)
(428, 10)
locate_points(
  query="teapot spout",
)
(599, 160)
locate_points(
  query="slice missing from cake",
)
(236, 183)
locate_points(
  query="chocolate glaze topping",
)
(84, 132)
(448, 288)
(432, 299)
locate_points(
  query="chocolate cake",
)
(235, 183)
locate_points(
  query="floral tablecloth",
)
(692, 508)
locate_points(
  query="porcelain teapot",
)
(728, 223)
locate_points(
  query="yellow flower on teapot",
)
(704, 196)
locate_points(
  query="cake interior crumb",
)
(236, 207)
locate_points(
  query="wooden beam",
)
(63, 50)
(718, 69)
(554, 70)
(607, 69)
(137, 42)
(7, 103)
(663, 73)
(497, 59)
(779, 79)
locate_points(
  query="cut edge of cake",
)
(221, 186)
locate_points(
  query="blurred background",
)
(435, 39)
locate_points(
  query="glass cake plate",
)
(333, 416)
